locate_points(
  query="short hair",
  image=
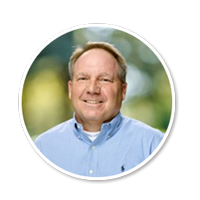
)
(100, 45)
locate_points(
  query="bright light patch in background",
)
(139, 83)
(93, 33)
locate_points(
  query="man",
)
(98, 141)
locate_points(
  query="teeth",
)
(93, 101)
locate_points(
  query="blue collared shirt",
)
(122, 144)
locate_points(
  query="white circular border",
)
(86, 26)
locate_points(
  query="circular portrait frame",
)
(103, 33)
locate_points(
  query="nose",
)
(93, 87)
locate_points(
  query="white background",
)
(172, 28)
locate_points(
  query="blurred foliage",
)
(45, 100)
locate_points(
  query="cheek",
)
(116, 96)
(111, 94)
(76, 92)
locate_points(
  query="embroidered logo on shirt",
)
(123, 168)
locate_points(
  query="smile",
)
(92, 101)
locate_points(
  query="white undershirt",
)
(92, 135)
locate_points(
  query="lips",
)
(93, 101)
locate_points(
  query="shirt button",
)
(93, 147)
(78, 127)
(91, 171)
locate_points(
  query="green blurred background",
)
(45, 100)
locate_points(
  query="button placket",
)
(93, 158)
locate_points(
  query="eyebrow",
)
(105, 74)
(86, 74)
(82, 74)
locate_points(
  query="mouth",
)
(93, 101)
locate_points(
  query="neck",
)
(91, 125)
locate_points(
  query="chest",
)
(107, 159)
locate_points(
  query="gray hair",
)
(100, 45)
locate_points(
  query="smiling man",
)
(98, 141)
(95, 89)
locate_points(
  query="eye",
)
(105, 80)
(82, 79)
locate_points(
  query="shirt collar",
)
(108, 129)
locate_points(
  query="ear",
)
(124, 89)
(69, 89)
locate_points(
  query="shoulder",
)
(142, 135)
(139, 136)
(141, 129)
(53, 133)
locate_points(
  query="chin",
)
(92, 116)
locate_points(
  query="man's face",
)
(95, 90)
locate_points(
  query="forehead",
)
(96, 59)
